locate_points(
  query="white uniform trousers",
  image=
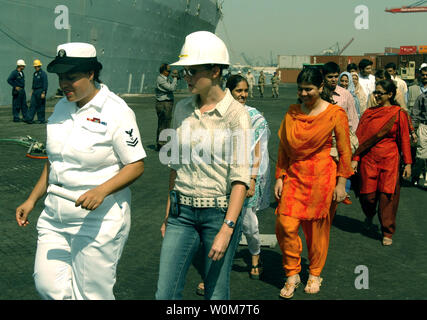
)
(251, 231)
(78, 250)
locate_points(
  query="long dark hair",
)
(314, 77)
(234, 80)
(389, 87)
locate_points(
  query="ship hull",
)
(132, 37)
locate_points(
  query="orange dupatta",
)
(302, 135)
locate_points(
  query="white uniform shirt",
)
(251, 79)
(89, 145)
(367, 83)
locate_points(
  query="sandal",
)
(290, 287)
(256, 276)
(387, 241)
(313, 283)
(200, 290)
(347, 200)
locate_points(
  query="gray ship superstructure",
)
(132, 37)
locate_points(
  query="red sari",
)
(383, 134)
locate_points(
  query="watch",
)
(229, 223)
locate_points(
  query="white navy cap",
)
(74, 56)
(423, 65)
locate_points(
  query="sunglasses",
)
(380, 93)
(191, 72)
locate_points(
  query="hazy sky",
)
(307, 27)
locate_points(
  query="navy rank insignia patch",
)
(132, 142)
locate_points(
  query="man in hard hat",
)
(38, 95)
(164, 100)
(19, 99)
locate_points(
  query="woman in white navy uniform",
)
(95, 152)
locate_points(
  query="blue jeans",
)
(183, 236)
(348, 185)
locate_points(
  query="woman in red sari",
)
(309, 183)
(383, 135)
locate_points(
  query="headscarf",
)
(261, 199)
(352, 89)
(361, 95)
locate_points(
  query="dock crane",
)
(414, 7)
(345, 47)
(335, 49)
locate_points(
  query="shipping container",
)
(382, 61)
(343, 61)
(292, 61)
(388, 50)
(422, 49)
(407, 65)
(408, 50)
(289, 75)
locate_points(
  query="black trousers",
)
(164, 117)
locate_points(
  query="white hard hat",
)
(203, 47)
(423, 65)
(20, 62)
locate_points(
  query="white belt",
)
(219, 202)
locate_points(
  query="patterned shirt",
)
(209, 151)
(345, 100)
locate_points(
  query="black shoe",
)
(41, 122)
(29, 121)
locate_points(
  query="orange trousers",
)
(317, 238)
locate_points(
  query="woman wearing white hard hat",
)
(95, 152)
(207, 192)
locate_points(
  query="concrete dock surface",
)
(395, 272)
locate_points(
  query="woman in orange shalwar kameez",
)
(309, 183)
(383, 134)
